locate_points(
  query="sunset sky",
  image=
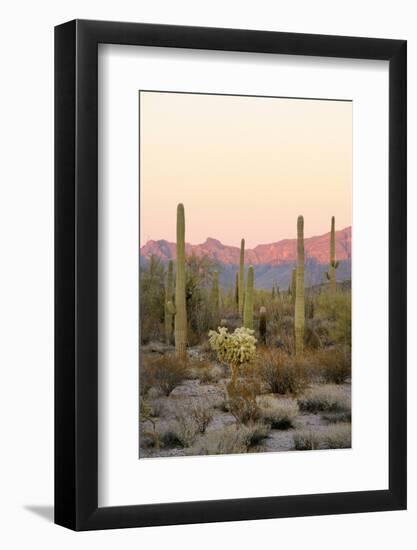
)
(243, 166)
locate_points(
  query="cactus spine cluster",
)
(241, 276)
(215, 297)
(248, 313)
(169, 296)
(180, 303)
(299, 291)
(262, 325)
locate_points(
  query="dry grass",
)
(337, 436)
(327, 399)
(279, 414)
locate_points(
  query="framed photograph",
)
(230, 253)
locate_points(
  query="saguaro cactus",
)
(248, 313)
(215, 297)
(262, 325)
(169, 296)
(293, 284)
(299, 317)
(237, 290)
(241, 276)
(333, 264)
(180, 304)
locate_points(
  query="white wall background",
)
(26, 270)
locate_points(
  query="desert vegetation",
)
(242, 369)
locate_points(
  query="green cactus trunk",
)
(299, 317)
(215, 298)
(248, 313)
(237, 290)
(262, 325)
(242, 277)
(169, 297)
(180, 303)
(332, 266)
(293, 284)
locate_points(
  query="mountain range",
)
(273, 262)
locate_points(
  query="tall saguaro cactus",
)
(169, 296)
(293, 284)
(241, 276)
(248, 313)
(299, 318)
(333, 264)
(180, 304)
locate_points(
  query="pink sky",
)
(243, 166)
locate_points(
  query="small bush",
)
(201, 413)
(164, 372)
(337, 436)
(230, 440)
(334, 418)
(241, 400)
(279, 414)
(333, 365)
(205, 371)
(280, 372)
(327, 399)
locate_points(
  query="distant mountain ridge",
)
(277, 253)
(273, 262)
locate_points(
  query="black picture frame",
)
(76, 272)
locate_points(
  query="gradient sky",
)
(243, 166)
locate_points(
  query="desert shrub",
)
(336, 308)
(335, 364)
(280, 414)
(147, 433)
(152, 299)
(205, 371)
(230, 440)
(201, 412)
(337, 436)
(334, 418)
(164, 372)
(334, 437)
(241, 400)
(281, 373)
(327, 399)
(180, 432)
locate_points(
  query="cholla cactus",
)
(235, 348)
